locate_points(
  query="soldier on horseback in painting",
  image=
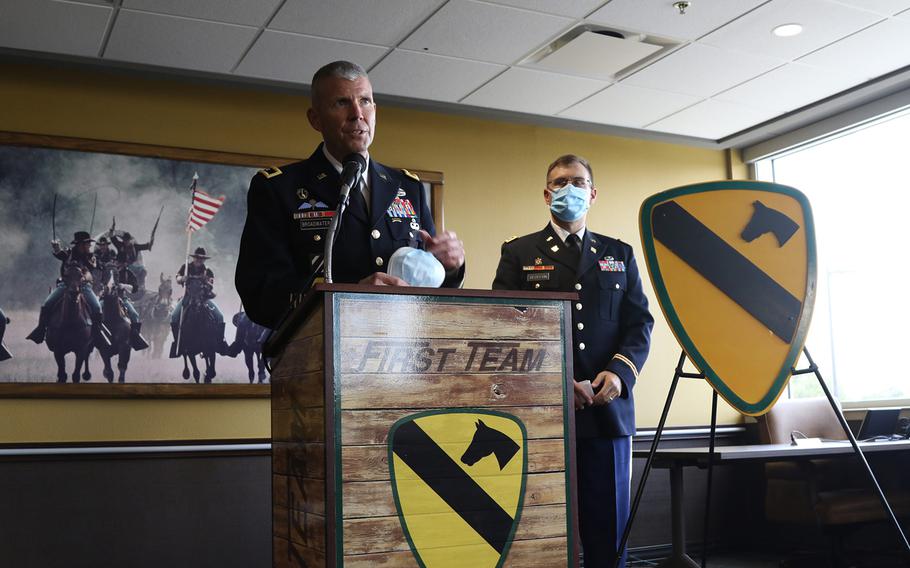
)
(79, 255)
(4, 352)
(248, 340)
(198, 270)
(103, 251)
(128, 254)
(129, 283)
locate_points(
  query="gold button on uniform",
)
(378, 261)
(578, 285)
(537, 285)
(317, 237)
(580, 326)
(581, 346)
(375, 233)
(578, 306)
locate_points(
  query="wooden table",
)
(675, 459)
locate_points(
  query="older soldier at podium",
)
(289, 208)
(612, 329)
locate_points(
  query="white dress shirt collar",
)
(338, 167)
(564, 234)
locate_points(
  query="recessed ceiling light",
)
(787, 30)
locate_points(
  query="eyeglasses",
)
(561, 182)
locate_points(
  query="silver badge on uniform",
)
(415, 225)
(401, 192)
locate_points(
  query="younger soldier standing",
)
(611, 326)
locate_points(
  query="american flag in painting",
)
(204, 208)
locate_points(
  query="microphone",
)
(353, 166)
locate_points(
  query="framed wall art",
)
(144, 213)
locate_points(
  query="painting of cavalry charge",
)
(83, 224)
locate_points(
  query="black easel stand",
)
(679, 557)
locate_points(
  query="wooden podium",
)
(422, 427)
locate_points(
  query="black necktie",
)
(573, 250)
(356, 201)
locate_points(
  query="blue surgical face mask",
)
(570, 203)
(416, 267)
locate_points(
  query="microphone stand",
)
(344, 197)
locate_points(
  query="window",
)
(858, 183)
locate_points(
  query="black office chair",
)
(833, 494)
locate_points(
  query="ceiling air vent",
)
(599, 52)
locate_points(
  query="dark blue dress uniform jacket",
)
(610, 320)
(288, 211)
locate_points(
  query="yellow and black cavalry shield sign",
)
(458, 477)
(733, 266)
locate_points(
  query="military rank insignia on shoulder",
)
(270, 172)
(512, 238)
(410, 175)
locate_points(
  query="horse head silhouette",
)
(767, 220)
(488, 441)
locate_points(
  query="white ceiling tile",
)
(249, 12)
(711, 119)
(380, 22)
(823, 22)
(659, 17)
(870, 53)
(473, 30)
(701, 70)
(173, 41)
(623, 105)
(291, 57)
(788, 88)
(432, 77)
(56, 27)
(571, 8)
(537, 92)
(883, 7)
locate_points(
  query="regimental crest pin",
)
(401, 192)
(459, 472)
(321, 176)
(538, 261)
(302, 193)
(734, 268)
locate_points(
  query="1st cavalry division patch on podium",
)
(733, 266)
(458, 477)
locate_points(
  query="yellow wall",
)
(494, 173)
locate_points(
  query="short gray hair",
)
(342, 69)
